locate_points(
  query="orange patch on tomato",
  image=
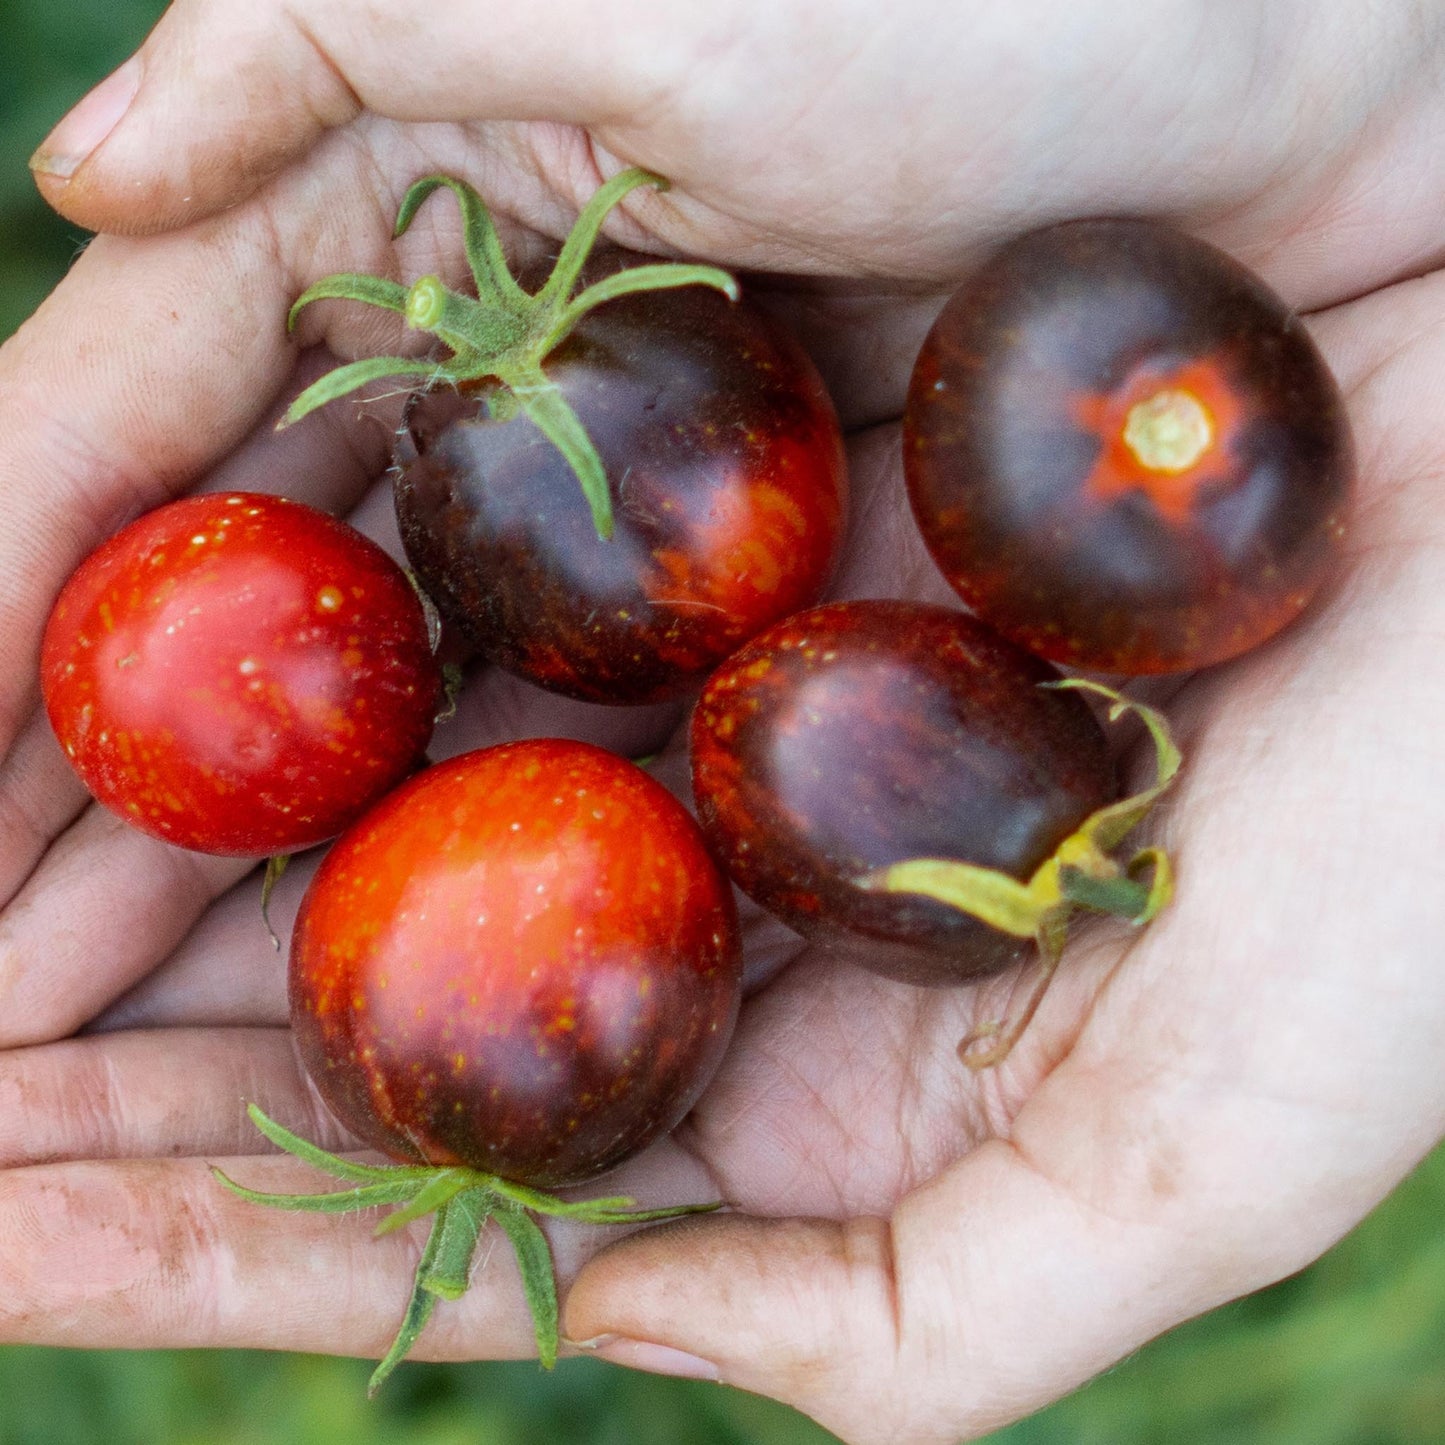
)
(1168, 432)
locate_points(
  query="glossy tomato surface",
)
(523, 960)
(728, 483)
(1124, 451)
(239, 674)
(863, 734)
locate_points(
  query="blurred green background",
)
(1352, 1352)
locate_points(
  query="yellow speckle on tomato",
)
(329, 598)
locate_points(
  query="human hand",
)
(1124, 1169)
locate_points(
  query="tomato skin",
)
(863, 734)
(1043, 497)
(728, 479)
(523, 960)
(239, 674)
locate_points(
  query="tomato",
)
(607, 491)
(726, 471)
(239, 674)
(1124, 451)
(523, 961)
(864, 734)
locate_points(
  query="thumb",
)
(991, 1293)
(221, 96)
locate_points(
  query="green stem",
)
(539, 1279)
(276, 865)
(475, 333)
(1082, 872)
(488, 261)
(460, 1201)
(629, 283)
(504, 335)
(553, 416)
(345, 379)
(418, 1308)
(588, 226)
(374, 290)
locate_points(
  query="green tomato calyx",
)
(504, 333)
(461, 1202)
(1084, 871)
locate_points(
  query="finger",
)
(163, 1093)
(230, 94)
(62, 954)
(991, 1292)
(156, 1253)
(39, 796)
(228, 971)
(116, 428)
(884, 555)
(332, 462)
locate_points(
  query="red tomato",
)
(523, 960)
(1124, 451)
(240, 674)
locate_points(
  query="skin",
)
(918, 1254)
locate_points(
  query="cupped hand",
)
(916, 1252)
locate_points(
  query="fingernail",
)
(656, 1359)
(75, 139)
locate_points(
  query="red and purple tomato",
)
(862, 734)
(240, 674)
(729, 493)
(1124, 451)
(524, 960)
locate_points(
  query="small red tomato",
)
(239, 674)
(523, 960)
(864, 734)
(728, 484)
(1124, 451)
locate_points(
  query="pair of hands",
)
(917, 1253)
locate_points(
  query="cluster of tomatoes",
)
(517, 968)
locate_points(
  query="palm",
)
(1149, 1084)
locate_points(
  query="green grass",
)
(53, 52)
(1351, 1352)
(238, 1398)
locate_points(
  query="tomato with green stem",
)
(517, 971)
(708, 454)
(240, 674)
(903, 786)
(1124, 451)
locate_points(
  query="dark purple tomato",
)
(523, 960)
(864, 734)
(240, 674)
(728, 484)
(1124, 451)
